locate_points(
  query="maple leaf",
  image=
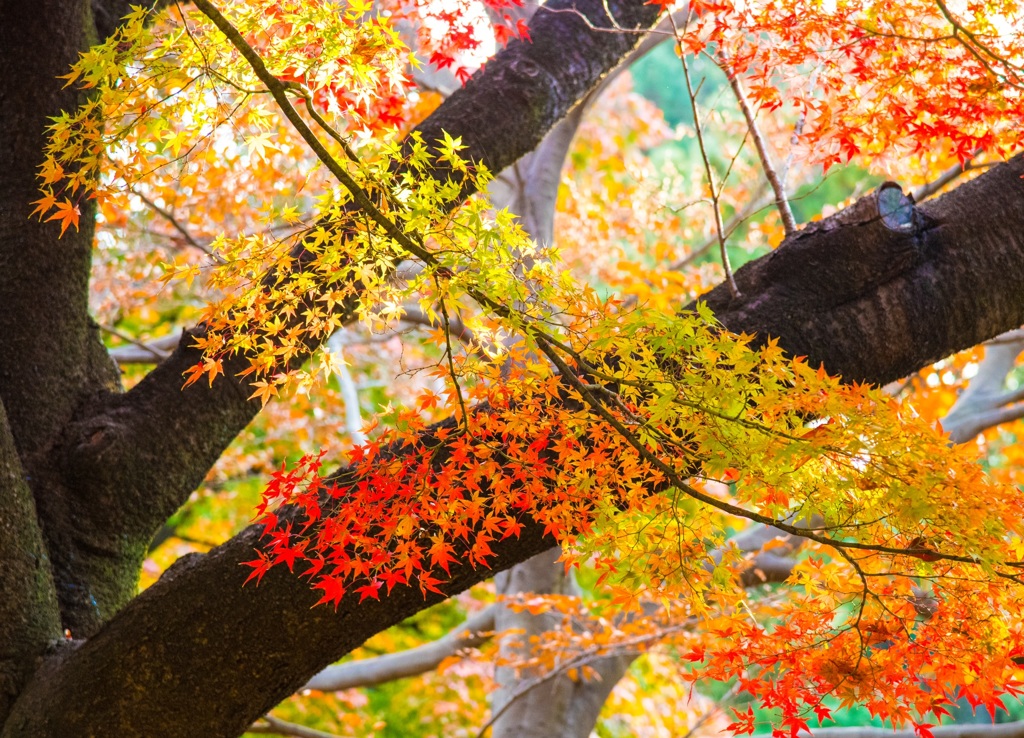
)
(393, 578)
(925, 729)
(260, 144)
(67, 213)
(333, 589)
(44, 204)
(441, 554)
(260, 566)
(744, 723)
(429, 584)
(371, 590)
(263, 391)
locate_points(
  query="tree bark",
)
(143, 452)
(197, 653)
(874, 304)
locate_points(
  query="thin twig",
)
(735, 222)
(169, 217)
(586, 393)
(158, 355)
(616, 28)
(778, 186)
(954, 172)
(276, 726)
(719, 229)
(718, 707)
(447, 328)
(787, 165)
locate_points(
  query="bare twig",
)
(718, 707)
(756, 204)
(615, 28)
(787, 165)
(707, 163)
(774, 178)
(141, 352)
(632, 646)
(169, 217)
(276, 726)
(954, 172)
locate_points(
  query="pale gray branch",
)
(386, 668)
(143, 352)
(984, 403)
(349, 391)
(276, 726)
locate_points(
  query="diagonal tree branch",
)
(501, 114)
(389, 667)
(870, 302)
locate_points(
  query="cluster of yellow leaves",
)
(343, 267)
(175, 97)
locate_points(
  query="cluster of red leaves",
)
(415, 501)
(374, 108)
(459, 34)
(906, 655)
(875, 77)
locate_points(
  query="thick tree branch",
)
(875, 303)
(501, 114)
(848, 292)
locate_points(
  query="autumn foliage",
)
(640, 435)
